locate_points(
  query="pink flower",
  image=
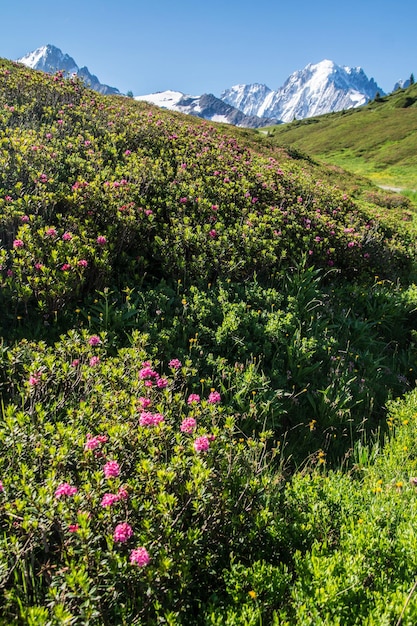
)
(175, 364)
(111, 469)
(24, 218)
(188, 425)
(193, 398)
(34, 379)
(18, 243)
(101, 240)
(213, 233)
(94, 340)
(65, 489)
(75, 362)
(94, 442)
(201, 444)
(65, 267)
(122, 494)
(147, 372)
(144, 402)
(161, 383)
(51, 232)
(66, 237)
(38, 266)
(73, 528)
(82, 263)
(109, 499)
(214, 397)
(183, 200)
(95, 360)
(1, 487)
(127, 152)
(139, 557)
(122, 532)
(150, 419)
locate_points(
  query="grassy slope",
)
(377, 140)
(230, 541)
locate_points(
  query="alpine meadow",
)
(207, 369)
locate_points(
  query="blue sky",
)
(197, 47)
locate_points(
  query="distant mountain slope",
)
(51, 59)
(317, 89)
(377, 140)
(206, 106)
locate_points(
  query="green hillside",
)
(208, 356)
(377, 140)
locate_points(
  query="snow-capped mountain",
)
(51, 59)
(206, 106)
(317, 89)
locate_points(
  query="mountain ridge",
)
(319, 88)
(51, 59)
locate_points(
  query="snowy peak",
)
(206, 106)
(51, 59)
(317, 89)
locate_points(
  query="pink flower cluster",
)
(175, 364)
(94, 340)
(122, 532)
(111, 469)
(144, 403)
(111, 498)
(193, 398)
(150, 419)
(65, 489)
(214, 397)
(139, 557)
(201, 444)
(188, 425)
(95, 442)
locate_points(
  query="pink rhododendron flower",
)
(82, 263)
(95, 442)
(1, 487)
(150, 419)
(122, 494)
(73, 528)
(161, 383)
(188, 425)
(122, 532)
(101, 240)
(51, 232)
(94, 340)
(193, 398)
(201, 444)
(24, 219)
(144, 402)
(175, 364)
(75, 362)
(66, 237)
(95, 360)
(109, 499)
(214, 397)
(65, 267)
(111, 469)
(140, 557)
(213, 233)
(34, 379)
(147, 372)
(65, 489)
(18, 243)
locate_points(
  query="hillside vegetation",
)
(377, 140)
(207, 370)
